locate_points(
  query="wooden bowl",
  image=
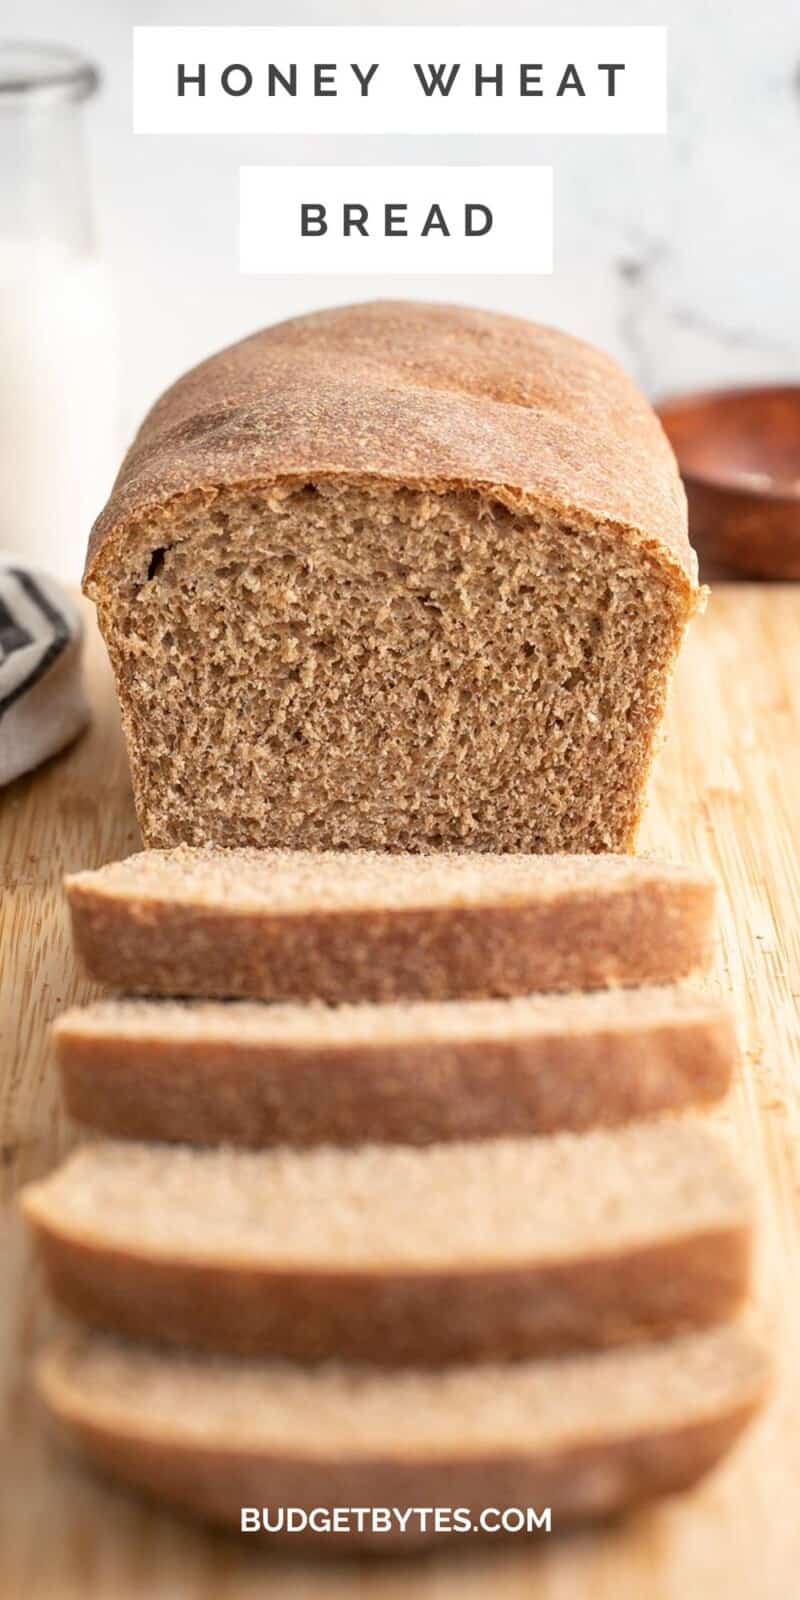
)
(739, 455)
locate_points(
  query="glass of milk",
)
(58, 345)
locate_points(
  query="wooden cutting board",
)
(726, 792)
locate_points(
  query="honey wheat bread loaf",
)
(247, 1073)
(395, 576)
(390, 1254)
(586, 1435)
(278, 925)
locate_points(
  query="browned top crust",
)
(399, 392)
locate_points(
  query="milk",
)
(59, 439)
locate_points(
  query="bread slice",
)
(400, 576)
(245, 1073)
(277, 925)
(585, 1436)
(392, 1254)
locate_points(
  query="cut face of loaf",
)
(397, 577)
(586, 1435)
(241, 1072)
(338, 666)
(387, 1254)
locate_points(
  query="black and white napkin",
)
(43, 705)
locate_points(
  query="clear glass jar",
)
(58, 347)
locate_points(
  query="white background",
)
(680, 255)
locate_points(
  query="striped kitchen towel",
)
(43, 705)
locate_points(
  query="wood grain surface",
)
(726, 792)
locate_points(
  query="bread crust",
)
(389, 1317)
(245, 1091)
(638, 933)
(433, 397)
(588, 1480)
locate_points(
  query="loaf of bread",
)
(390, 1254)
(395, 576)
(585, 1435)
(275, 925)
(245, 1073)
